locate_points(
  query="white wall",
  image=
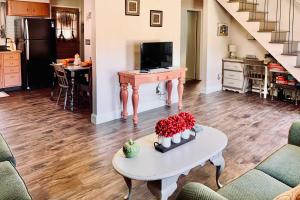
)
(238, 37)
(117, 40)
(88, 24)
(215, 47)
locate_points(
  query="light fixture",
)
(232, 51)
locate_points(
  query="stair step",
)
(283, 42)
(239, 1)
(245, 10)
(297, 66)
(296, 53)
(281, 31)
(261, 20)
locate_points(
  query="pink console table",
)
(136, 79)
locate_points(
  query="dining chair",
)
(255, 73)
(63, 82)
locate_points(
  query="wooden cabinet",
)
(27, 9)
(234, 75)
(10, 69)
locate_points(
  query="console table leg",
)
(219, 162)
(124, 98)
(180, 92)
(169, 89)
(135, 103)
(129, 185)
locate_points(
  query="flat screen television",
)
(156, 55)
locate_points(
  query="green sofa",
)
(274, 176)
(12, 186)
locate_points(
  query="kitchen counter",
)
(6, 52)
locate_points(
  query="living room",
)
(234, 140)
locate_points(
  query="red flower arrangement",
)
(189, 119)
(178, 124)
(175, 124)
(162, 128)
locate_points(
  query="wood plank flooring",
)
(62, 156)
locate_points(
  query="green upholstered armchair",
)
(294, 134)
(5, 153)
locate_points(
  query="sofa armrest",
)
(5, 153)
(294, 134)
(197, 191)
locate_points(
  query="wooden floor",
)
(61, 155)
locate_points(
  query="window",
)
(66, 23)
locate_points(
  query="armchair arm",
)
(197, 191)
(294, 134)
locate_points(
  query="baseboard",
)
(109, 116)
(211, 89)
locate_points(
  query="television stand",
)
(136, 79)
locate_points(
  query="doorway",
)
(193, 45)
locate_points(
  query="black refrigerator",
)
(36, 38)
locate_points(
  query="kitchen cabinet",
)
(28, 9)
(10, 69)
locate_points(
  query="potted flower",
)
(190, 121)
(162, 129)
(177, 128)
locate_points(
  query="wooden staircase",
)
(268, 32)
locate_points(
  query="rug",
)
(3, 94)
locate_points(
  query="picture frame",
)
(223, 29)
(132, 7)
(156, 18)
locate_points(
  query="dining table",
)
(73, 71)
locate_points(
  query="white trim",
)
(109, 116)
(211, 89)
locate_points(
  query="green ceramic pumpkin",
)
(131, 149)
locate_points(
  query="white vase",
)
(186, 134)
(165, 142)
(176, 138)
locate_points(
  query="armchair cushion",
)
(254, 185)
(5, 153)
(12, 186)
(283, 165)
(197, 191)
(294, 134)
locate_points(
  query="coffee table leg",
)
(163, 189)
(219, 162)
(129, 185)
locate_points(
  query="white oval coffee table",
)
(161, 171)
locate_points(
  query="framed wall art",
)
(132, 7)
(156, 18)
(222, 29)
